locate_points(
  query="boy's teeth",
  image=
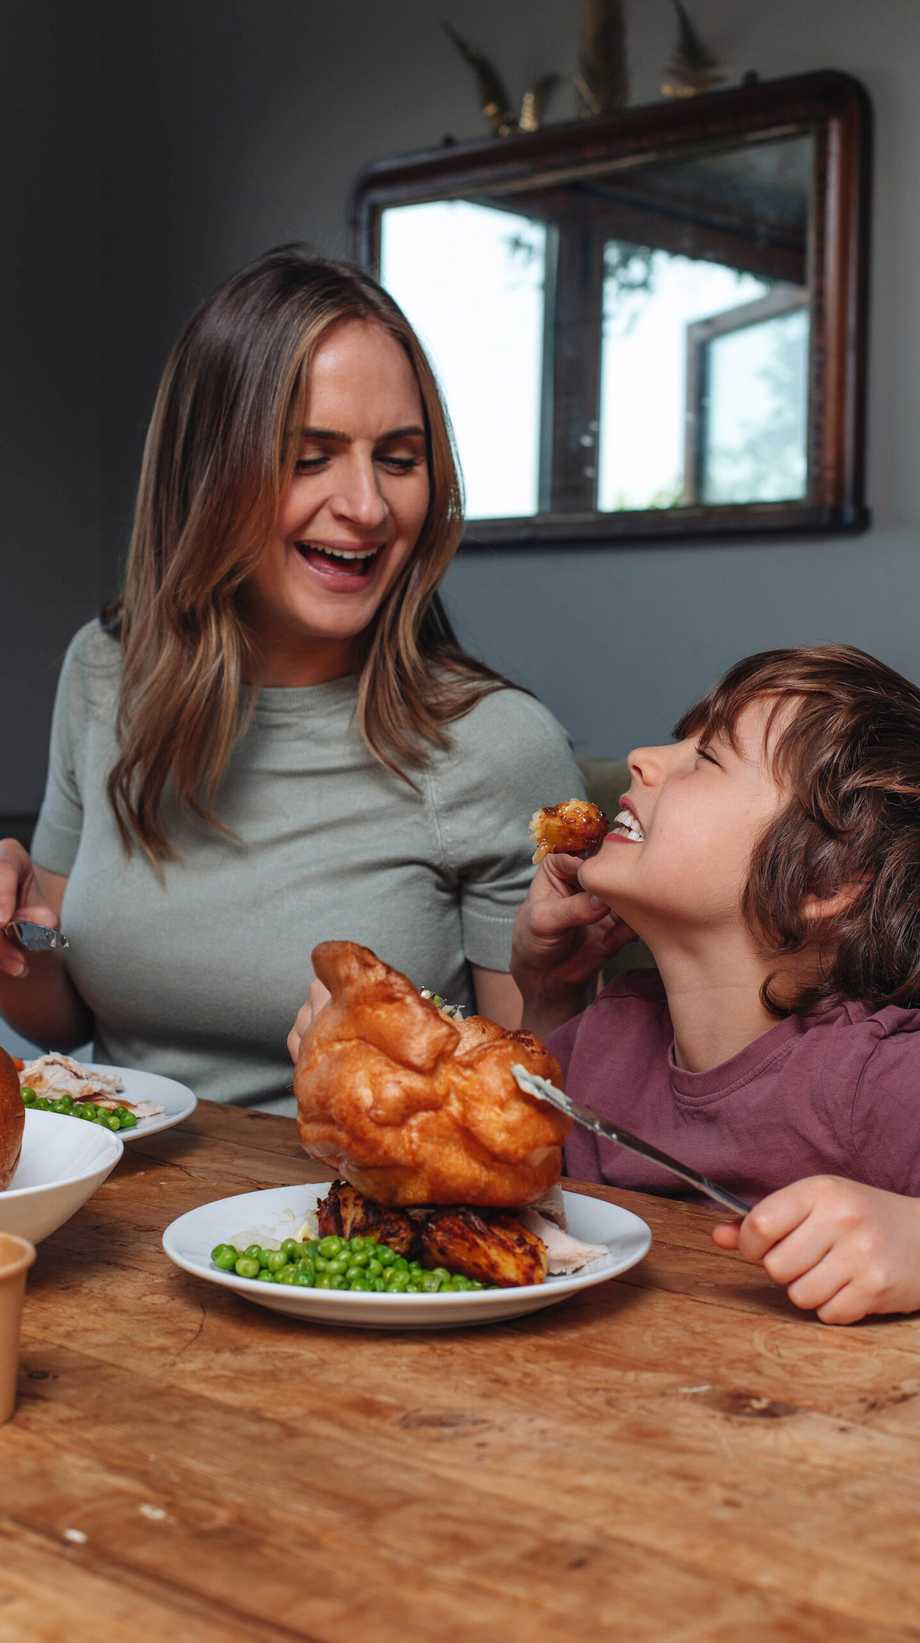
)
(625, 822)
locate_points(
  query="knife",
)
(35, 937)
(533, 1084)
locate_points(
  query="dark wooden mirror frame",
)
(830, 106)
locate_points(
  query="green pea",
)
(338, 1282)
(377, 1285)
(265, 1277)
(385, 1255)
(113, 1122)
(398, 1283)
(401, 1264)
(338, 1266)
(324, 1281)
(358, 1257)
(303, 1278)
(374, 1269)
(28, 1096)
(441, 1272)
(291, 1248)
(275, 1259)
(225, 1257)
(128, 1120)
(331, 1246)
(246, 1266)
(360, 1282)
(89, 1110)
(63, 1104)
(253, 1252)
(429, 1283)
(287, 1274)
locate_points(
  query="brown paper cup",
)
(16, 1256)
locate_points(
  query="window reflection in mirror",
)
(472, 281)
(635, 337)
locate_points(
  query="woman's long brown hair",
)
(216, 463)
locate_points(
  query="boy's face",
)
(698, 810)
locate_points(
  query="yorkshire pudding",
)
(12, 1119)
(413, 1106)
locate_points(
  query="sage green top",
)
(198, 974)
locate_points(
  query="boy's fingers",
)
(772, 1219)
(820, 1284)
(726, 1234)
(846, 1307)
(802, 1251)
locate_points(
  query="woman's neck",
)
(287, 666)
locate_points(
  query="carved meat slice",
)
(566, 1254)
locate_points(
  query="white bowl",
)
(63, 1161)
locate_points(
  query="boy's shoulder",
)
(864, 1022)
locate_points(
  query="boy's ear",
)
(818, 908)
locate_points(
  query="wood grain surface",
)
(675, 1455)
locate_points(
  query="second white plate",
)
(278, 1212)
(176, 1099)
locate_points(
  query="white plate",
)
(61, 1165)
(253, 1217)
(176, 1099)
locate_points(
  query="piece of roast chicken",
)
(496, 1249)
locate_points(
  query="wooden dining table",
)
(672, 1455)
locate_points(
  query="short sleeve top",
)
(197, 972)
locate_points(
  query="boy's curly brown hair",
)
(848, 756)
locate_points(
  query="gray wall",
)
(225, 126)
(50, 570)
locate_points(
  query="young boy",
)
(770, 858)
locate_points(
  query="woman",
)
(279, 739)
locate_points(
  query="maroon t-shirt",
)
(835, 1093)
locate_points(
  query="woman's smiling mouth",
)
(338, 564)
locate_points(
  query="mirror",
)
(645, 326)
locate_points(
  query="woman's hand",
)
(561, 930)
(562, 937)
(20, 897)
(839, 1248)
(317, 999)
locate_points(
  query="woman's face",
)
(352, 513)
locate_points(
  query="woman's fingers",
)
(15, 872)
(317, 1000)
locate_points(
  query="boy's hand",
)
(840, 1248)
(561, 932)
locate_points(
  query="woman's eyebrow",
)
(411, 431)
